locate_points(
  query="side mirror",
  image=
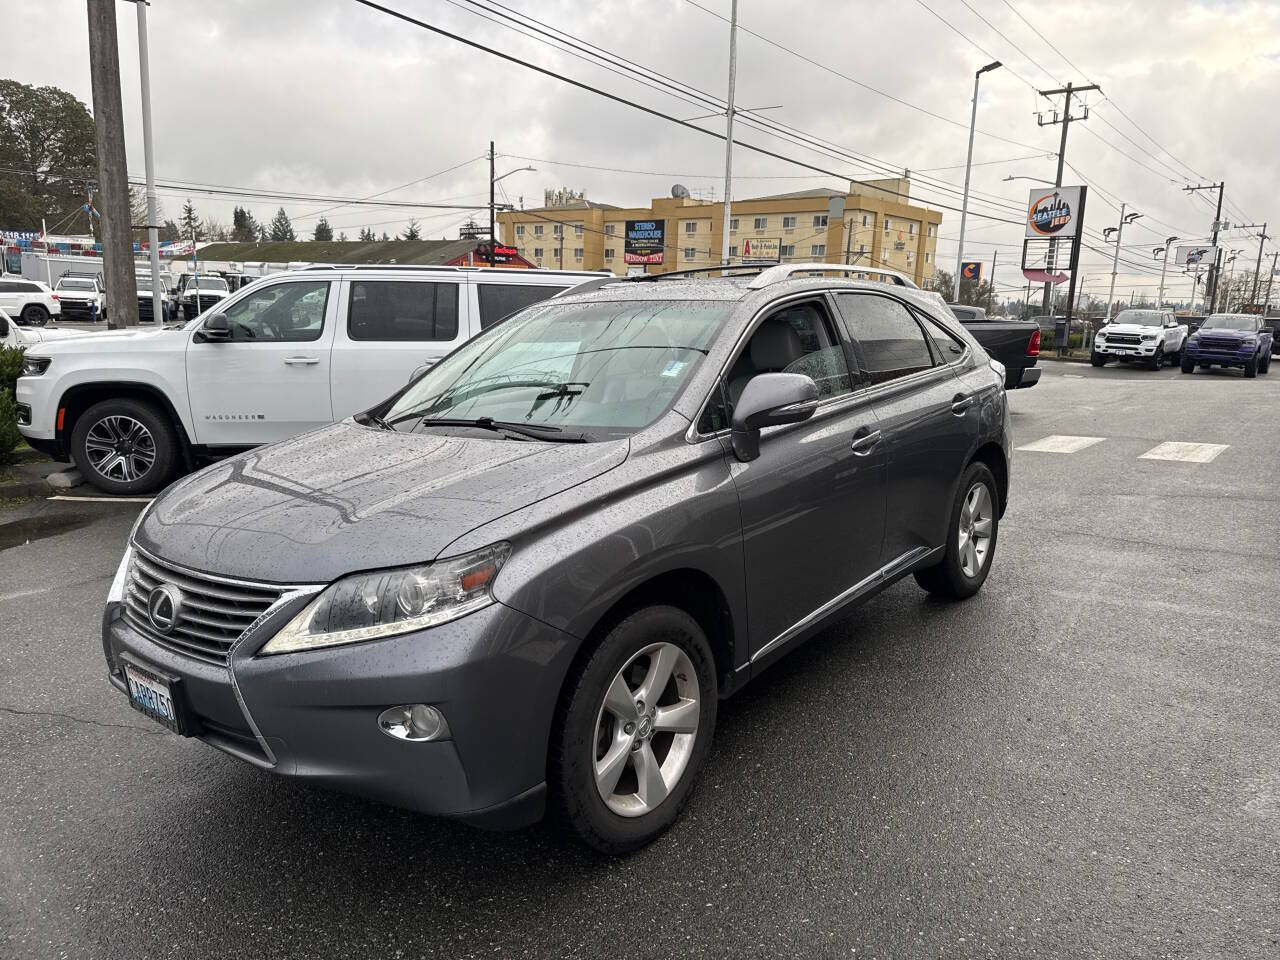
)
(420, 369)
(769, 399)
(216, 329)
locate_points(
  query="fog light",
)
(414, 721)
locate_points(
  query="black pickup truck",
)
(1015, 343)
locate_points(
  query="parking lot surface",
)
(1083, 760)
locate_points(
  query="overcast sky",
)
(330, 97)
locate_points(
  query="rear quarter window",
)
(500, 300)
(403, 310)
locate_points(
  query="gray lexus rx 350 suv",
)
(523, 582)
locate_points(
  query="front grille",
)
(203, 303)
(76, 308)
(1128, 339)
(1220, 344)
(213, 614)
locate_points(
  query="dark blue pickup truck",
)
(1230, 340)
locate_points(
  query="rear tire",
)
(594, 723)
(125, 446)
(967, 560)
(35, 315)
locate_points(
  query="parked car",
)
(1230, 340)
(14, 335)
(202, 292)
(1273, 324)
(146, 301)
(290, 353)
(525, 580)
(28, 302)
(1152, 336)
(1015, 343)
(83, 297)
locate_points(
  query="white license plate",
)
(151, 695)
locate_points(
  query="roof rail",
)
(744, 269)
(441, 268)
(786, 270)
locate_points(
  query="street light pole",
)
(1269, 281)
(728, 132)
(1115, 258)
(968, 169)
(148, 158)
(1163, 267)
(493, 207)
(1257, 268)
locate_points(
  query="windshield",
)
(1230, 321)
(76, 285)
(1141, 318)
(144, 283)
(597, 370)
(207, 283)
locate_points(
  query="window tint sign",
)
(1054, 212)
(1195, 256)
(645, 242)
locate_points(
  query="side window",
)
(403, 310)
(500, 300)
(28, 288)
(4, 325)
(891, 342)
(6, 287)
(291, 312)
(796, 339)
(949, 346)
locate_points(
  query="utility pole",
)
(492, 214)
(968, 165)
(848, 241)
(1269, 281)
(728, 132)
(1066, 120)
(113, 180)
(153, 227)
(1115, 259)
(1211, 284)
(991, 284)
(1163, 267)
(1257, 267)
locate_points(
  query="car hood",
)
(347, 498)
(75, 295)
(95, 341)
(34, 335)
(215, 294)
(1129, 328)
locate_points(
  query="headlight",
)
(1148, 336)
(383, 603)
(34, 366)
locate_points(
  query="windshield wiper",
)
(537, 431)
(377, 421)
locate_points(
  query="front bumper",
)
(1220, 358)
(80, 310)
(1125, 349)
(495, 675)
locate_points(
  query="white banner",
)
(1195, 256)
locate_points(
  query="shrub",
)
(9, 435)
(10, 368)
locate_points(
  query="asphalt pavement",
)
(1082, 761)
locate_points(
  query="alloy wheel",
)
(977, 523)
(645, 729)
(120, 448)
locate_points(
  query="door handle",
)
(302, 361)
(960, 404)
(864, 444)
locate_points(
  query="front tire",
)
(1097, 359)
(1251, 367)
(1188, 365)
(632, 730)
(1264, 364)
(971, 538)
(125, 446)
(1157, 359)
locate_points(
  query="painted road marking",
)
(1186, 452)
(104, 499)
(1060, 444)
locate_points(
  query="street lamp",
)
(1115, 259)
(968, 168)
(1036, 179)
(1163, 267)
(1231, 272)
(493, 239)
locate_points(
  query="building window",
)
(733, 251)
(690, 253)
(862, 249)
(818, 250)
(928, 257)
(787, 250)
(733, 223)
(691, 226)
(931, 229)
(910, 257)
(519, 229)
(819, 220)
(788, 223)
(537, 229)
(577, 229)
(577, 253)
(557, 230)
(537, 251)
(911, 229)
(608, 253)
(864, 219)
(608, 229)
(762, 223)
(887, 224)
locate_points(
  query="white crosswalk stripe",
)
(1186, 452)
(1060, 444)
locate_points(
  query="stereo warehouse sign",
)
(645, 242)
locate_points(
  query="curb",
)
(24, 489)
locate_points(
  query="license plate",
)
(152, 695)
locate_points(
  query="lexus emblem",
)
(164, 605)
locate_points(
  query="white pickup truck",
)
(1153, 336)
(285, 354)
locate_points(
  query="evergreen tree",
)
(367, 234)
(342, 237)
(281, 228)
(189, 223)
(411, 232)
(385, 238)
(322, 231)
(170, 232)
(244, 228)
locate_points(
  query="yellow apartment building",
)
(874, 223)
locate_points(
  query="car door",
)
(270, 381)
(8, 296)
(929, 419)
(812, 504)
(389, 328)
